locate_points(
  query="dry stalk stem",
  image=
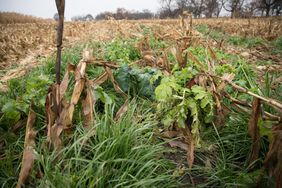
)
(268, 115)
(61, 11)
(254, 130)
(269, 101)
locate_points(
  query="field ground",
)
(22, 44)
(165, 69)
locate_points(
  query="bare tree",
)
(250, 8)
(234, 6)
(270, 7)
(169, 6)
(197, 7)
(277, 8)
(182, 5)
(220, 4)
(211, 8)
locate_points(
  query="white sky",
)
(47, 8)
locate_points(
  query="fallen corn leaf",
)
(122, 110)
(273, 160)
(254, 130)
(87, 106)
(28, 154)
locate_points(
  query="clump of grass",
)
(114, 154)
(277, 50)
(202, 28)
(225, 165)
(119, 154)
(247, 42)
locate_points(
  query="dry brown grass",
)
(17, 41)
(12, 18)
(267, 28)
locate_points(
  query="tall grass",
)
(111, 154)
(226, 164)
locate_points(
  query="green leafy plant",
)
(179, 104)
(121, 51)
(137, 81)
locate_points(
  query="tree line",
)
(216, 8)
(198, 8)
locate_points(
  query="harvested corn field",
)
(148, 103)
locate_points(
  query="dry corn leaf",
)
(28, 154)
(176, 52)
(80, 82)
(222, 85)
(179, 144)
(195, 60)
(122, 110)
(190, 146)
(56, 131)
(78, 88)
(67, 112)
(64, 120)
(50, 109)
(87, 55)
(166, 61)
(18, 125)
(115, 84)
(212, 53)
(64, 84)
(150, 59)
(273, 160)
(101, 79)
(254, 130)
(171, 134)
(88, 106)
(66, 115)
(80, 70)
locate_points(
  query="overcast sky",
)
(47, 8)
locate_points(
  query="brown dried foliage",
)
(273, 160)
(253, 129)
(28, 153)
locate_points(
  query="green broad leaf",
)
(156, 77)
(199, 92)
(10, 111)
(103, 96)
(183, 75)
(181, 111)
(192, 105)
(106, 99)
(198, 89)
(265, 128)
(171, 82)
(204, 102)
(181, 123)
(200, 96)
(168, 120)
(163, 92)
(145, 88)
(209, 117)
(127, 78)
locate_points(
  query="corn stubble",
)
(181, 33)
